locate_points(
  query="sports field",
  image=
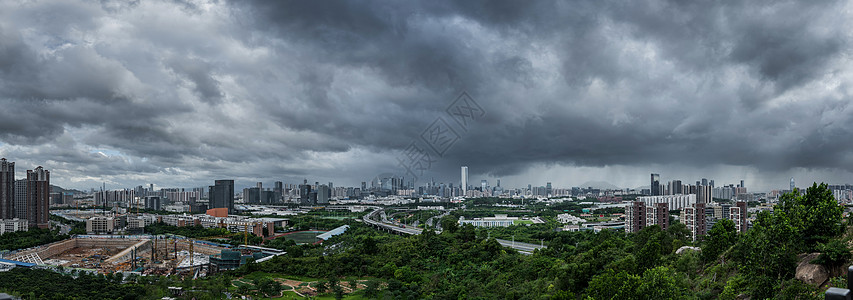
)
(304, 237)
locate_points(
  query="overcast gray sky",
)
(179, 93)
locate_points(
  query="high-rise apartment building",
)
(21, 199)
(655, 186)
(640, 215)
(658, 214)
(635, 216)
(222, 195)
(738, 214)
(7, 189)
(703, 194)
(694, 218)
(464, 179)
(38, 197)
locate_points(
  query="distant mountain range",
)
(59, 189)
(604, 185)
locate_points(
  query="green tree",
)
(816, 215)
(449, 224)
(371, 289)
(833, 254)
(719, 239)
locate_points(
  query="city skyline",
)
(256, 91)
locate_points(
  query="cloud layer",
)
(179, 93)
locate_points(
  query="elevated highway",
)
(384, 225)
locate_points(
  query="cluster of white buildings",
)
(12, 225)
(496, 221)
(567, 218)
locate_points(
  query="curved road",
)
(524, 248)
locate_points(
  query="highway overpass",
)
(369, 219)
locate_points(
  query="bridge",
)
(385, 225)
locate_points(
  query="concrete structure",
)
(38, 197)
(12, 225)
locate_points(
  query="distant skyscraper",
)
(677, 187)
(499, 183)
(703, 194)
(323, 194)
(548, 189)
(655, 186)
(792, 183)
(464, 179)
(483, 185)
(704, 181)
(38, 197)
(711, 183)
(279, 190)
(222, 195)
(741, 183)
(7, 189)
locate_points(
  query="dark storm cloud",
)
(288, 89)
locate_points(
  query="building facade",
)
(222, 195)
(38, 197)
(7, 189)
(464, 179)
(694, 218)
(675, 202)
(12, 225)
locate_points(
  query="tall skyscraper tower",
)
(792, 183)
(222, 195)
(655, 186)
(7, 189)
(464, 179)
(38, 197)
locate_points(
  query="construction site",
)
(145, 255)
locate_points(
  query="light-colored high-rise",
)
(464, 179)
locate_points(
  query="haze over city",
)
(179, 93)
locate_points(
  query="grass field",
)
(304, 237)
(522, 222)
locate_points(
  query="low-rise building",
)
(12, 225)
(100, 224)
